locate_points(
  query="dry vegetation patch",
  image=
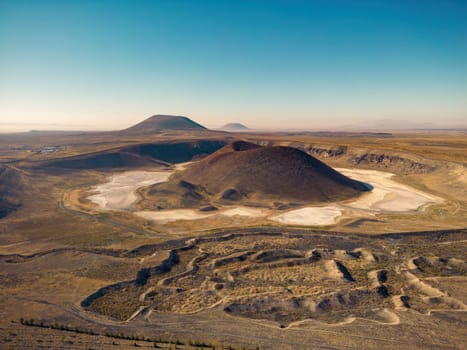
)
(286, 280)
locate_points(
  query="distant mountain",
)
(160, 122)
(234, 127)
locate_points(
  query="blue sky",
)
(267, 63)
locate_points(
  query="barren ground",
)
(390, 273)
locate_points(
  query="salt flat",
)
(119, 192)
(319, 216)
(165, 216)
(387, 195)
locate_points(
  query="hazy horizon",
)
(379, 125)
(87, 65)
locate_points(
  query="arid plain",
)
(168, 232)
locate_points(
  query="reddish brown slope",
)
(243, 170)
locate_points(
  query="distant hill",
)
(234, 127)
(247, 172)
(102, 160)
(137, 156)
(158, 123)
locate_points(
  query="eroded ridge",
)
(289, 278)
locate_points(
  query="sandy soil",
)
(119, 192)
(245, 211)
(165, 216)
(181, 166)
